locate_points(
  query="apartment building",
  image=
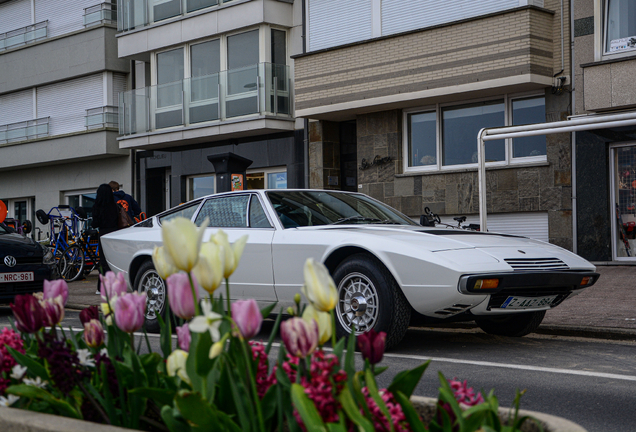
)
(605, 61)
(211, 78)
(397, 90)
(59, 81)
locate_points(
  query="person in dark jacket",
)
(105, 219)
(126, 201)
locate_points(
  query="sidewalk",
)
(606, 310)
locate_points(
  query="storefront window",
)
(267, 180)
(200, 186)
(625, 201)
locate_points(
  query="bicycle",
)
(80, 258)
(431, 219)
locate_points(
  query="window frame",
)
(614, 235)
(193, 176)
(605, 38)
(438, 167)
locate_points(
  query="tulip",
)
(176, 364)
(93, 333)
(299, 336)
(53, 311)
(56, 288)
(209, 268)
(210, 321)
(217, 347)
(113, 285)
(28, 313)
(130, 311)
(180, 295)
(231, 254)
(183, 337)
(319, 287)
(88, 314)
(371, 345)
(163, 263)
(247, 317)
(323, 319)
(182, 240)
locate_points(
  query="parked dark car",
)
(24, 264)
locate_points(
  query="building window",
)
(445, 137)
(267, 179)
(84, 199)
(205, 65)
(200, 186)
(620, 26)
(169, 88)
(624, 197)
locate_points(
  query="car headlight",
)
(48, 258)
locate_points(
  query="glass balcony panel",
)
(15, 40)
(204, 98)
(169, 107)
(3, 44)
(134, 108)
(132, 14)
(242, 94)
(200, 4)
(277, 89)
(164, 9)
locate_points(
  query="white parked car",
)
(387, 268)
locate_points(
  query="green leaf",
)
(165, 339)
(32, 366)
(339, 349)
(203, 363)
(173, 420)
(353, 412)
(274, 332)
(195, 409)
(378, 370)
(268, 403)
(406, 381)
(158, 395)
(267, 310)
(375, 395)
(32, 392)
(412, 417)
(307, 410)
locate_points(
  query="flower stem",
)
(195, 298)
(227, 294)
(333, 329)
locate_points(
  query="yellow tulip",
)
(209, 269)
(182, 240)
(323, 319)
(163, 263)
(319, 287)
(231, 254)
(176, 364)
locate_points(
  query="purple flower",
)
(464, 394)
(300, 337)
(56, 288)
(130, 311)
(371, 344)
(53, 311)
(113, 285)
(28, 313)
(93, 333)
(183, 337)
(248, 317)
(88, 314)
(180, 295)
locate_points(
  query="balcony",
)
(24, 35)
(253, 92)
(23, 131)
(135, 14)
(100, 14)
(102, 117)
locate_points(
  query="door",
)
(155, 191)
(240, 215)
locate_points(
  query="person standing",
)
(105, 219)
(126, 201)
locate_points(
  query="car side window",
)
(258, 219)
(226, 212)
(184, 210)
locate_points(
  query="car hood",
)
(18, 245)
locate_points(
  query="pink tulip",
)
(180, 295)
(53, 311)
(93, 333)
(300, 337)
(28, 313)
(371, 344)
(248, 317)
(56, 288)
(130, 311)
(183, 337)
(113, 285)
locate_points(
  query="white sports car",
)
(387, 268)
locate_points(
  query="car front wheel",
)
(149, 281)
(515, 325)
(369, 298)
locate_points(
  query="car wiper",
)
(389, 222)
(355, 218)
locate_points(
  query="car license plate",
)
(16, 277)
(527, 302)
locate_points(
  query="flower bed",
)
(218, 378)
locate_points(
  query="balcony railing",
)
(101, 117)
(139, 13)
(261, 89)
(24, 35)
(25, 130)
(99, 14)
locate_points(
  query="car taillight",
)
(486, 283)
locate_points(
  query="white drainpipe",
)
(572, 125)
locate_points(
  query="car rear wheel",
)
(515, 325)
(369, 298)
(149, 281)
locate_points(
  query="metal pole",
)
(481, 176)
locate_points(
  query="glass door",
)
(623, 184)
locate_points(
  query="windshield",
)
(299, 209)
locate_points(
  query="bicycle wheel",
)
(73, 263)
